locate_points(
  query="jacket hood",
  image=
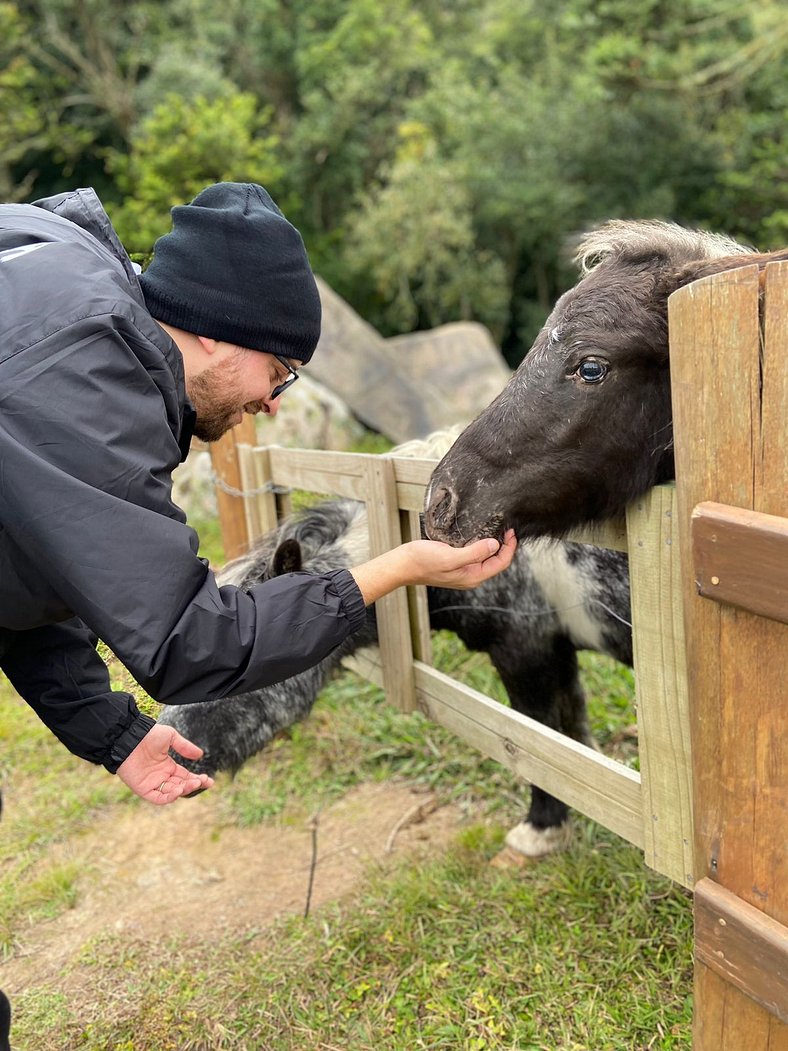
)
(83, 208)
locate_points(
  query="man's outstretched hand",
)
(151, 772)
(434, 563)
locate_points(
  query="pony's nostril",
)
(442, 501)
(442, 506)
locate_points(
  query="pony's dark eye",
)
(592, 370)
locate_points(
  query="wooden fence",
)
(729, 367)
(709, 806)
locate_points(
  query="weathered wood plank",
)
(318, 460)
(737, 674)
(744, 946)
(317, 471)
(260, 507)
(611, 534)
(232, 513)
(331, 483)
(771, 465)
(413, 471)
(597, 786)
(741, 557)
(410, 496)
(726, 1017)
(392, 610)
(723, 398)
(367, 664)
(418, 604)
(660, 666)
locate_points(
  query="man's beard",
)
(216, 397)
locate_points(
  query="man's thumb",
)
(184, 747)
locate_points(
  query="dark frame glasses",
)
(282, 387)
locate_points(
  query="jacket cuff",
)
(124, 745)
(350, 595)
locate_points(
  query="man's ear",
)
(209, 345)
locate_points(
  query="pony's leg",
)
(5, 1006)
(545, 830)
(546, 689)
(5, 1022)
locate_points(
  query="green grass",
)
(353, 736)
(587, 951)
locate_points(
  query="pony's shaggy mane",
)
(638, 239)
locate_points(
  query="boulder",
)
(311, 416)
(457, 367)
(408, 386)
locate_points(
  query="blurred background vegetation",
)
(436, 154)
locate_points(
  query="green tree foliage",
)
(412, 243)
(437, 157)
(23, 130)
(357, 73)
(31, 106)
(181, 148)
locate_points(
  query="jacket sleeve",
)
(57, 670)
(87, 445)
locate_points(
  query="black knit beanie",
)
(234, 269)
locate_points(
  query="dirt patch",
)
(176, 871)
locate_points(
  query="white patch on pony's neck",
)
(567, 591)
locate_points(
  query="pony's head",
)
(584, 425)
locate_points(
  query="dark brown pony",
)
(585, 424)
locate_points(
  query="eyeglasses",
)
(282, 387)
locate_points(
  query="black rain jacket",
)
(93, 420)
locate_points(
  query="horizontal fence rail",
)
(650, 808)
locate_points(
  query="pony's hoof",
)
(534, 842)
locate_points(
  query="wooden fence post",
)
(260, 503)
(661, 684)
(394, 637)
(729, 373)
(226, 467)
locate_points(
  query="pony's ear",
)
(287, 558)
(689, 272)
